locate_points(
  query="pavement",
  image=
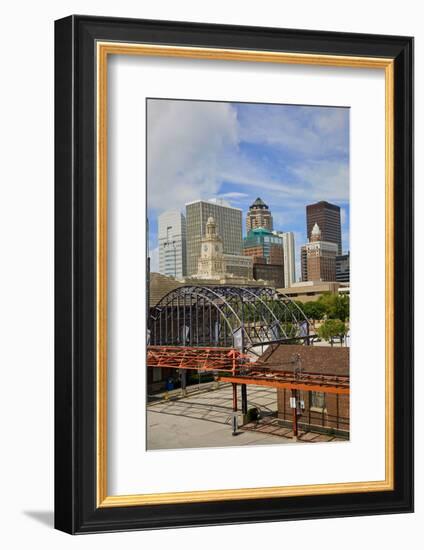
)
(203, 418)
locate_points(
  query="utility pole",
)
(293, 404)
(294, 401)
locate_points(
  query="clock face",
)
(216, 248)
(205, 248)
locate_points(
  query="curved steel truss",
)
(225, 316)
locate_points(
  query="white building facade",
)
(172, 244)
(289, 257)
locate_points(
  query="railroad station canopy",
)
(225, 316)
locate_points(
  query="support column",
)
(244, 401)
(234, 397)
(183, 382)
(235, 423)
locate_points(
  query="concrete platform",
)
(203, 419)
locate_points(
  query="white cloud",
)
(247, 174)
(187, 144)
(288, 156)
(193, 147)
(326, 180)
(233, 195)
(308, 131)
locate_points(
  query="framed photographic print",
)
(233, 274)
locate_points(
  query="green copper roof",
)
(259, 231)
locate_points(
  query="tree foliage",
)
(328, 307)
(332, 328)
(314, 310)
(336, 306)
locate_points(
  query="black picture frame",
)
(76, 510)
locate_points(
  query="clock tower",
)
(211, 261)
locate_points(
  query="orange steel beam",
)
(303, 377)
(216, 359)
(288, 385)
(241, 370)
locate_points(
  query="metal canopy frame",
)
(225, 316)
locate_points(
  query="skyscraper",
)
(320, 257)
(259, 215)
(228, 225)
(327, 216)
(172, 243)
(261, 243)
(266, 250)
(289, 258)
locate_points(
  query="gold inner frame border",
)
(103, 50)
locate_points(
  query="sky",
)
(288, 155)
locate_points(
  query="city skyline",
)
(247, 182)
(288, 155)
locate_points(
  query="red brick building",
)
(318, 411)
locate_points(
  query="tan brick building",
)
(320, 258)
(259, 215)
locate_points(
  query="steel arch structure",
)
(225, 316)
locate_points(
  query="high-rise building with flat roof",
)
(259, 215)
(262, 243)
(289, 256)
(266, 250)
(327, 216)
(172, 243)
(228, 224)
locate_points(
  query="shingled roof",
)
(314, 359)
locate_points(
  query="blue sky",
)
(288, 155)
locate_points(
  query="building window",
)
(317, 400)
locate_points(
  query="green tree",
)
(299, 304)
(332, 328)
(314, 310)
(336, 306)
